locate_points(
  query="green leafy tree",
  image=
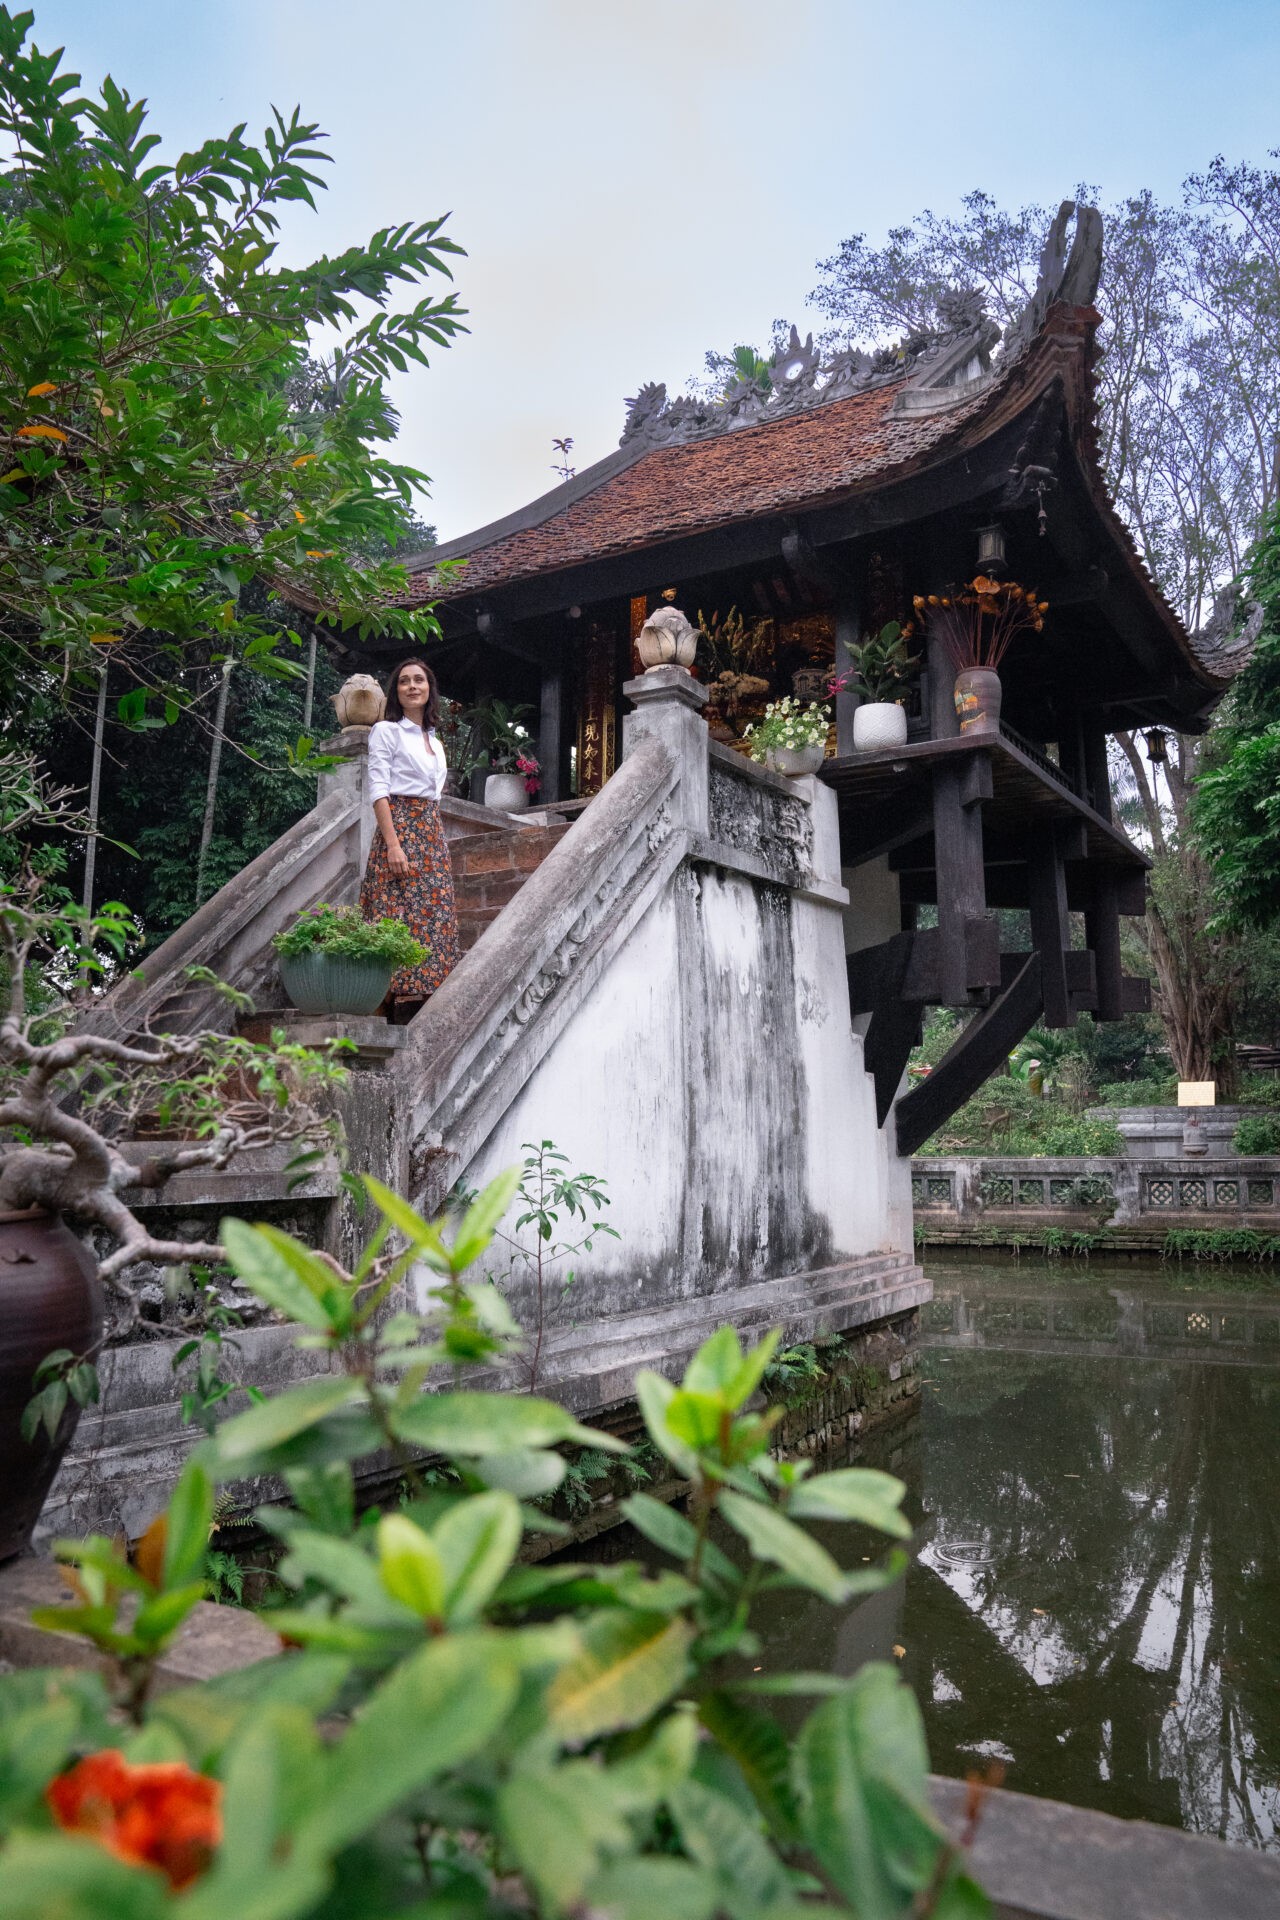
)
(157, 453)
(1237, 805)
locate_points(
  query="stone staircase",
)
(490, 868)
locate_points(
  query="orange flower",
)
(302, 459)
(300, 518)
(316, 553)
(41, 433)
(161, 1816)
(44, 386)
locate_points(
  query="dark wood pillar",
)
(846, 702)
(944, 721)
(1102, 932)
(1096, 771)
(552, 745)
(959, 788)
(1050, 925)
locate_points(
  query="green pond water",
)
(1094, 1600)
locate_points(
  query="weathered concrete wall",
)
(711, 1074)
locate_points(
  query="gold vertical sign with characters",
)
(596, 713)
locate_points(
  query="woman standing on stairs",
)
(409, 876)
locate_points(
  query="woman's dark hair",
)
(431, 713)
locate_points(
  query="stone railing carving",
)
(480, 1036)
(759, 814)
(1112, 1191)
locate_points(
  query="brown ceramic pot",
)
(977, 696)
(50, 1297)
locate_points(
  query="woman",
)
(409, 877)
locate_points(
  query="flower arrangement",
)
(528, 766)
(788, 723)
(978, 621)
(882, 663)
(344, 933)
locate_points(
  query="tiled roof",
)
(805, 458)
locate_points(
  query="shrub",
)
(1257, 1133)
(343, 932)
(456, 1733)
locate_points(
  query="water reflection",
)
(1098, 1585)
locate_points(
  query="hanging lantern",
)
(1156, 747)
(991, 555)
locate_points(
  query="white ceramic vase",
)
(795, 760)
(879, 724)
(506, 793)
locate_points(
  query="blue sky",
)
(637, 180)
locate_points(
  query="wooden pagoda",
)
(817, 511)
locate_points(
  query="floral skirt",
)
(421, 898)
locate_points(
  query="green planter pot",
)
(319, 982)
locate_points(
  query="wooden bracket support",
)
(985, 1044)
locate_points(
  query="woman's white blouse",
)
(404, 759)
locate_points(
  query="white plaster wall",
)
(611, 1094)
(720, 1095)
(850, 1176)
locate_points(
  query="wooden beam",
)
(973, 1056)
(1050, 925)
(962, 896)
(877, 976)
(1097, 772)
(875, 971)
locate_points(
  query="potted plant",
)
(332, 960)
(882, 663)
(791, 738)
(976, 623)
(500, 728)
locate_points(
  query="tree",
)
(1237, 805)
(156, 451)
(1189, 427)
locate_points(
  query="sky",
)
(636, 181)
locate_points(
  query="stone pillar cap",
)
(666, 686)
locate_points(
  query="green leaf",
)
(411, 1567)
(268, 1274)
(526, 1474)
(189, 1522)
(51, 1874)
(630, 1664)
(289, 1413)
(436, 1710)
(696, 1418)
(482, 1217)
(574, 1803)
(721, 1839)
(477, 1541)
(678, 1536)
(756, 1743)
(654, 1395)
(420, 1233)
(653, 1888)
(477, 1425)
(871, 1731)
(853, 1493)
(157, 1619)
(771, 1536)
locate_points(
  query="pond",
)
(1094, 1600)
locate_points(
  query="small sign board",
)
(1195, 1093)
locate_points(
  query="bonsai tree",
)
(71, 1099)
(882, 663)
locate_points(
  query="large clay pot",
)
(319, 982)
(879, 724)
(977, 696)
(50, 1297)
(506, 793)
(359, 701)
(667, 640)
(795, 760)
